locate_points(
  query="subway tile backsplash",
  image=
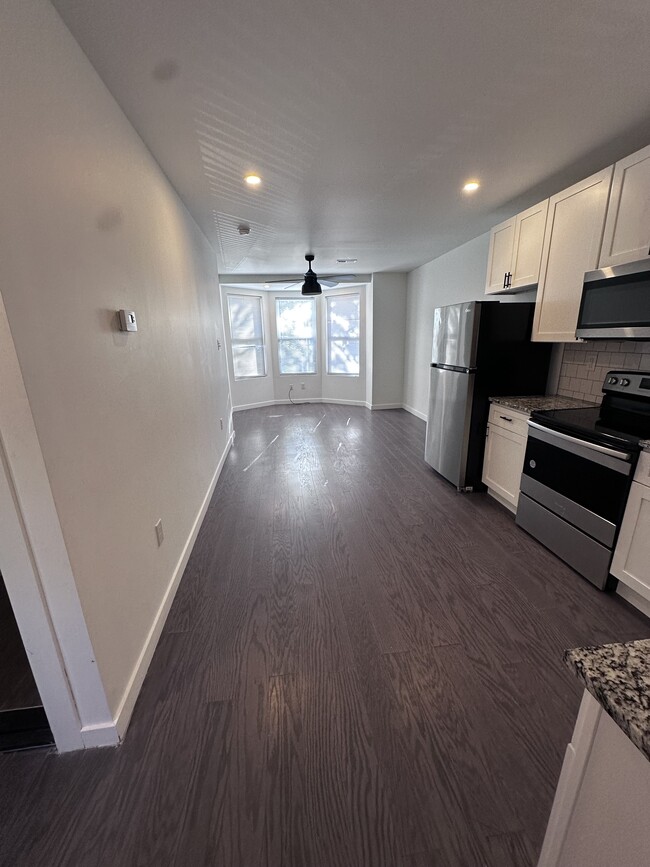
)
(584, 365)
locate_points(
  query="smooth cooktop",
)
(596, 425)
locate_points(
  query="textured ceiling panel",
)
(365, 118)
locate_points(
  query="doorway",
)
(23, 721)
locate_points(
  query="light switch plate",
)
(159, 532)
(128, 321)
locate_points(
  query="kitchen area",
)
(550, 413)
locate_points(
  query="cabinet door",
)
(627, 228)
(500, 256)
(631, 563)
(572, 240)
(504, 462)
(527, 248)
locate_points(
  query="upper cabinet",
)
(516, 251)
(500, 256)
(627, 227)
(572, 241)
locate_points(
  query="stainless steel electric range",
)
(577, 473)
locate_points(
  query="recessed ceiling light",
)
(253, 180)
(471, 187)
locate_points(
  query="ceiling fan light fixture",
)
(311, 286)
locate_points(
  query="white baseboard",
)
(242, 406)
(415, 412)
(342, 402)
(100, 735)
(132, 691)
(633, 598)
(286, 402)
(384, 406)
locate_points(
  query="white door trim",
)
(37, 572)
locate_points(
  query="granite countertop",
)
(532, 402)
(618, 677)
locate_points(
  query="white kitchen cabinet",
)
(500, 256)
(627, 227)
(516, 251)
(599, 815)
(572, 241)
(631, 561)
(505, 448)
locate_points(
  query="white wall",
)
(128, 424)
(389, 293)
(457, 276)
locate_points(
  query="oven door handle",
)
(594, 447)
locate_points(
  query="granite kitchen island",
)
(602, 804)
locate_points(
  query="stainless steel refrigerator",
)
(480, 349)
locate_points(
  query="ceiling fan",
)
(312, 282)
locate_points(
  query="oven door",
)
(572, 498)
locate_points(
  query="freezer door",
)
(448, 423)
(455, 334)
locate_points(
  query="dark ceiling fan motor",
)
(311, 286)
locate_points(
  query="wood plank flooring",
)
(362, 668)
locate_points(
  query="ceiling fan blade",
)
(339, 278)
(329, 283)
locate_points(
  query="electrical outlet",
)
(302, 386)
(159, 532)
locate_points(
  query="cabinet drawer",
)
(509, 419)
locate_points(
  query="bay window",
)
(296, 329)
(343, 330)
(247, 336)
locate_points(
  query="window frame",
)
(278, 340)
(236, 341)
(328, 339)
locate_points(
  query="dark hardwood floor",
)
(361, 667)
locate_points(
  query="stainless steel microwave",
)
(616, 302)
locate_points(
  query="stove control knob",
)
(612, 380)
(625, 382)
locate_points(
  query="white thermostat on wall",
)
(128, 321)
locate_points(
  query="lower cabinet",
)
(631, 562)
(505, 448)
(600, 812)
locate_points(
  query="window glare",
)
(246, 336)
(296, 328)
(343, 333)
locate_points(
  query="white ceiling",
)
(365, 117)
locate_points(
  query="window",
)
(246, 336)
(296, 325)
(343, 334)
